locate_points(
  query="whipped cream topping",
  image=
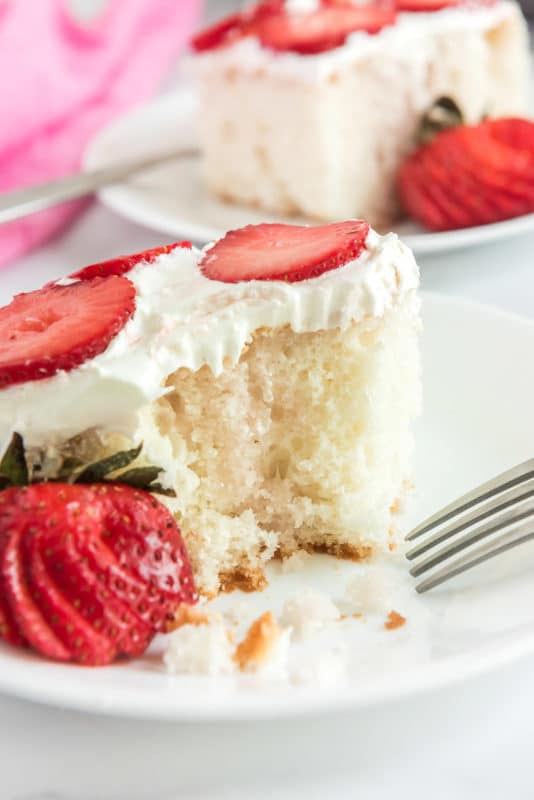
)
(410, 34)
(183, 319)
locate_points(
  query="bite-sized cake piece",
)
(273, 378)
(334, 93)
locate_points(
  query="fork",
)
(487, 521)
(21, 202)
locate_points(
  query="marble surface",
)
(470, 741)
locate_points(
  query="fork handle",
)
(21, 202)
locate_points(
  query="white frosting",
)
(183, 319)
(412, 31)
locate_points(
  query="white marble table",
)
(468, 742)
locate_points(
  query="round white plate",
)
(477, 421)
(172, 198)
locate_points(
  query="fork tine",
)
(469, 561)
(506, 480)
(463, 542)
(494, 509)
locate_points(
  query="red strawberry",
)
(123, 264)
(86, 645)
(69, 603)
(8, 627)
(60, 327)
(425, 5)
(234, 27)
(483, 173)
(512, 131)
(26, 613)
(125, 555)
(312, 32)
(283, 252)
(221, 33)
(84, 588)
(323, 29)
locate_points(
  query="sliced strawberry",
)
(221, 33)
(474, 178)
(73, 576)
(321, 30)
(123, 264)
(475, 174)
(60, 327)
(418, 203)
(144, 537)
(283, 252)
(425, 5)
(234, 27)
(27, 615)
(512, 131)
(8, 627)
(86, 645)
(90, 572)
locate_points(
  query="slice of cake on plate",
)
(308, 107)
(271, 379)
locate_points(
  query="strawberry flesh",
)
(90, 572)
(123, 264)
(74, 577)
(60, 327)
(322, 30)
(26, 613)
(426, 5)
(273, 252)
(86, 645)
(474, 175)
(306, 33)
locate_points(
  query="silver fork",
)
(485, 522)
(21, 202)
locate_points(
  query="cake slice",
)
(273, 379)
(334, 93)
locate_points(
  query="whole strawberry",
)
(88, 572)
(467, 175)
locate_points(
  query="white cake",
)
(322, 135)
(280, 412)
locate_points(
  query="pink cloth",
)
(61, 81)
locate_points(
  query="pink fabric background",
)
(61, 81)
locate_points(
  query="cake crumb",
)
(394, 621)
(368, 593)
(296, 561)
(200, 649)
(256, 648)
(189, 615)
(395, 506)
(356, 616)
(309, 610)
(392, 546)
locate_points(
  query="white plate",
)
(173, 200)
(477, 421)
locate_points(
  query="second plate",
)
(172, 198)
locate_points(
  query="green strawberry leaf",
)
(157, 488)
(138, 477)
(13, 467)
(100, 469)
(444, 113)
